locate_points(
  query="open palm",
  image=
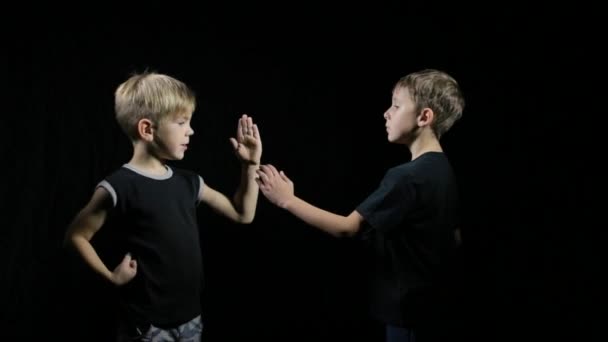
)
(248, 144)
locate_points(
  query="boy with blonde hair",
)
(410, 220)
(151, 207)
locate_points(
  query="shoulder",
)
(182, 172)
(429, 163)
(120, 178)
(114, 182)
(189, 177)
(419, 171)
(405, 172)
(119, 174)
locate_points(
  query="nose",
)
(386, 115)
(190, 131)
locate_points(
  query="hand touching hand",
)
(275, 185)
(125, 271)
(248, 144)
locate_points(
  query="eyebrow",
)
(183, 116)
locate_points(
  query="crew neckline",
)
(167, 175)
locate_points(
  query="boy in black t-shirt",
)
(411, 220)
(152, 210)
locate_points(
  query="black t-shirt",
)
(154, 219)
(410, 222)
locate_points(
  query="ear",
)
(426, 117)
(145, 129)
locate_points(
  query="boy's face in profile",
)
(401, 116)
(173, 135)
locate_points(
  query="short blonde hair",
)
(438, 91)
(152, 96)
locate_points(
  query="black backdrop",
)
(317, 81)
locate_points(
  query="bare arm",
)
(82, 229)
(280, 191)
(242, 208)
(248, 149)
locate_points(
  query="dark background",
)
(317, 81)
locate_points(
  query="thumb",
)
(234, 143)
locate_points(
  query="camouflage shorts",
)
(188, 332)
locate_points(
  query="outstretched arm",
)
(279, 190)
(82, 229)
(248, 149)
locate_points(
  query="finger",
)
(263, 176)
(268, 170)
(260, 182)
(249, 125)
(256, 132)
(275, 172)
(284, 177)
(245, 119)
(235, 144)
(244, 125)
(240, 130)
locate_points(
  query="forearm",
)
(336, 225)
(90, 256)
(246, 197)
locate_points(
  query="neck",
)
(144, 160)
(425, 142)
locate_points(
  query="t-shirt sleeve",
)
(201, 186)
(387, 207)
(110, 189)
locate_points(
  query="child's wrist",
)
(286, 203)
(111, 278)
(250, 169)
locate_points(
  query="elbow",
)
(339, 234)
(245, 219)
(349, 234)
(348, 226)
(346, 232)
(68, 240)
(73, 239)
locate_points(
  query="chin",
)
(397, 141)
(177, 156)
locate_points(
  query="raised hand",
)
(275, 185)
(248, 144)
(125, 271)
